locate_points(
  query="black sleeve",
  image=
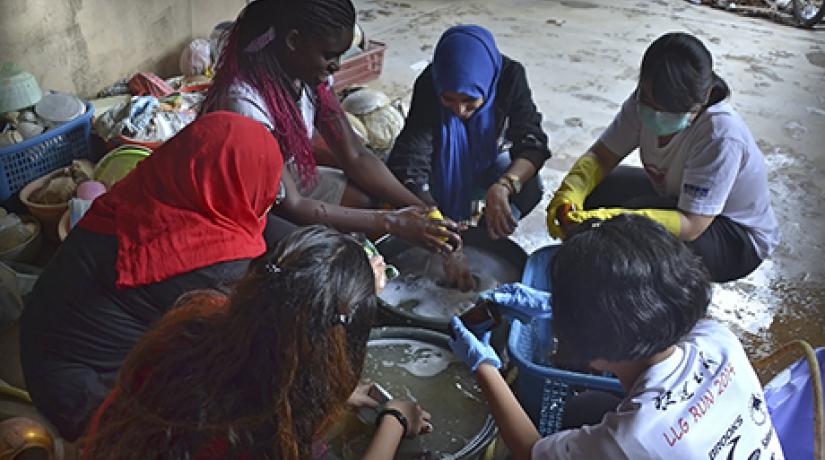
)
(411, 157)
(524, 121)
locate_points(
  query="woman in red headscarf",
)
(191, 216)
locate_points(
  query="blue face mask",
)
(663, 123)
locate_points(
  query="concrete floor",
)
(582, 60)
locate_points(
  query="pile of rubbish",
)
(374, 118)
(789, 12)
(151, 110)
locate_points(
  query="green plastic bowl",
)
(116, 164)
(18, 89)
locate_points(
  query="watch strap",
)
(398, 416)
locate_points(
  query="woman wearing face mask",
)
(473, 133)
(704, 177)
(276, 68)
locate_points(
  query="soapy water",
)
(420, 359)
(435, 379)
(421, 289)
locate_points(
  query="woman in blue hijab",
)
(473, 134)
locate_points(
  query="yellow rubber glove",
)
(670, 219)
(583, 177)
(435, 214)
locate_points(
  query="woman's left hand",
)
(499, 217)
(360, 398)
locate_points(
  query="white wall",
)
(81, 46)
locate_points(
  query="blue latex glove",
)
(470, 349)
(519, 301)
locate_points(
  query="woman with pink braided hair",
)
(276, 67)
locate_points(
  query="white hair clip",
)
(260, 41)
(341, 319)
(272, 268)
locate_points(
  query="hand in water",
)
(470, 349)
(417, 418)
(457, 270)
(412, 224)
(499, 217)
(360, 398)
(519, 301)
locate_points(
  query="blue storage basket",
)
(542, 389)
(23, 162)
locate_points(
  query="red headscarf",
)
(199, 199)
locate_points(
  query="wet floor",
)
(582, 61)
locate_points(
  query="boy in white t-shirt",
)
(629, 298)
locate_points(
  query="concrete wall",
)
(81, 46)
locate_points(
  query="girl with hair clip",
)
(261, 373)
(630, 299)
(276, 68)
(704, 177)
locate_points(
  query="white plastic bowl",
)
(58, 108)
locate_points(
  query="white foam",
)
(420, 359)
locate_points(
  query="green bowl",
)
(18, 89)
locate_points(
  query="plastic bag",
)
(789, 397)
(196, 58)
(13, 232)
(217, 38)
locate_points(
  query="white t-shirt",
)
(246, 100)
(704, 402)
(714, 167)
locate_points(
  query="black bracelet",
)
(398, 416)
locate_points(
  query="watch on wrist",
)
(398, 416)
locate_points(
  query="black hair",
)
(250, 55)
(316, 266)
(318, 18)
(625, 289)
(678, 70)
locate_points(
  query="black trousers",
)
(277, 228)
(724, 246)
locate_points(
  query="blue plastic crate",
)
(21, 163)
(543, 389)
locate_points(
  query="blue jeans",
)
(521, 203)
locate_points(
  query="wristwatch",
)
(514, 181)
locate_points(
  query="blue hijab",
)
(466, 61)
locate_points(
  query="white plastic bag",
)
(195, 58)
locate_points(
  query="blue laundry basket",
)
(21, 163)
(541, 388)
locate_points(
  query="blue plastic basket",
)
(21, 163)
(543, 389)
